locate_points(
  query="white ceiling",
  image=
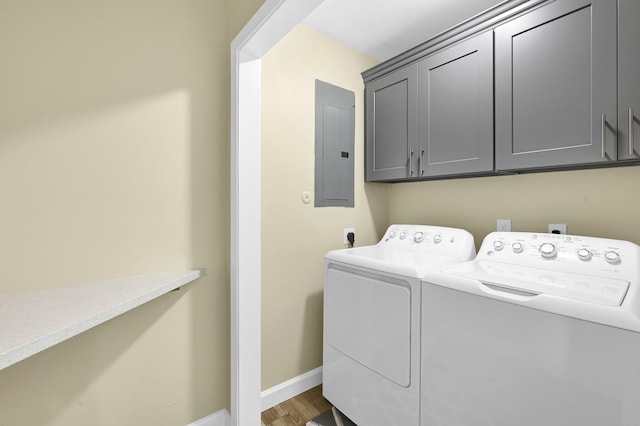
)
(383, 29)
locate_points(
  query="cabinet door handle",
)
(421, 159)
(603, 135)
(631, 132)
(411, 163)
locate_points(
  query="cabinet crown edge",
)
(483, 21)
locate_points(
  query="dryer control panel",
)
(410, 250)
(434, 239)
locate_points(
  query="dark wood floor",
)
(297, 410)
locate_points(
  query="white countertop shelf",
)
(32, 321)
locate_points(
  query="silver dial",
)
(548, 251)
(498, 245)
(612, 257)
(517, 247)
(584, 254)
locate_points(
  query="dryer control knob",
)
(548, 251)
(517, 247)
(418, 237)
(437, 238)
(612, 257)
(403, 235)
(584, 254)
(498, 245)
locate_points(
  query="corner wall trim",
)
(270, 24)
(292, 387)
(219, 418)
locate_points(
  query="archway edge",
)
(268, 26)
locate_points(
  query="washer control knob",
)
(612, 257)
(584, 254)
(517, 247)
(437, 238)
(403, 235)
(548, 251)
(498, 245)
(392, 234)
(418, 237)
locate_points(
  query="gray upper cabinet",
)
(391, 126)
(455, 109)
(628, 79)
(528, 85)
(434, 117)
(556, 97)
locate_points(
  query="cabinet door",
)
(556, 86)
(628, 79)
(455, 109)
(391, 126)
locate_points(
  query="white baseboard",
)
(219, 418)
(292, 387)
(269, 398)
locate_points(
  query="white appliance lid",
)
(600, 290)
(391, 260)
(588, 278)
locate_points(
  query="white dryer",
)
(539, 329)
(371, 350)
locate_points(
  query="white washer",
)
(371, 350)
(539, 329)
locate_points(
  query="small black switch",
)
(345, 154)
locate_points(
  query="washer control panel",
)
(429, 238)
(566, 253)
(589, 278)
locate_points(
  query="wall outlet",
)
(557, 228)
(345, 241)
(503, 225)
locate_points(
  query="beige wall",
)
(238, 14)
(295, 236)
(601, 202)
(114, 161)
